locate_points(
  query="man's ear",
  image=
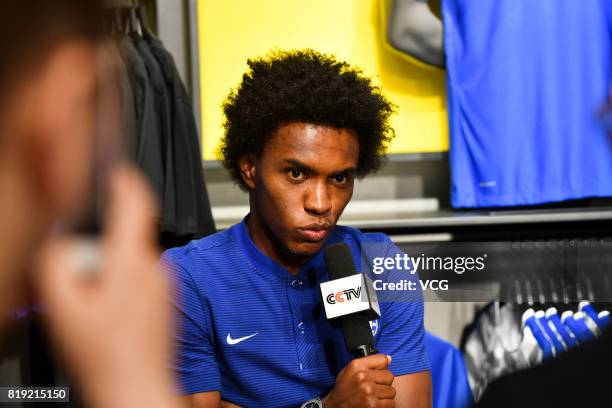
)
(248, 165)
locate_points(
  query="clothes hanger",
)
(122, 21)
(118, 23)
(135, 27)
(144, 27)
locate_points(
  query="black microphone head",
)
(339, 261)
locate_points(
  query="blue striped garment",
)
(257, 334)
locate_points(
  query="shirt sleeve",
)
(402, 333)
(195, 362)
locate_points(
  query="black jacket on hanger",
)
(579, 377)
(163, 116)
(193, 211)
(148, 152)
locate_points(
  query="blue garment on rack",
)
(568, 337)
(579, 328)
(525, 82)
(448, 374)
(590, 311)
(558, 347)
(604, 318)
(541, 337)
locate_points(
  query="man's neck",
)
(264, 241)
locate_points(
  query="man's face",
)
(304, 180)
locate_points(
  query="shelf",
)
(446, 219)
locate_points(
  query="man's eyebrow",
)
(302, 166)
(349, 171)
(298, 164)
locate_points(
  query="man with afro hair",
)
(300, 128)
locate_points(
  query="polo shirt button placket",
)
(296, 283)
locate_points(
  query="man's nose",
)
(318, 199)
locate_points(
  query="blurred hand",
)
(365, 382)
(111, 319)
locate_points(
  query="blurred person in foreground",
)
(112, 329)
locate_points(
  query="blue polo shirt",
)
(257, 334)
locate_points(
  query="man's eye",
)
(340, 179)
(296, 174)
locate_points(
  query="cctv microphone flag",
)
(350, 295)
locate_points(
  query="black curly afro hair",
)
(304, 86)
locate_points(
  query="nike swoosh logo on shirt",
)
(231, 341)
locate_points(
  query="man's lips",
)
(315, 232)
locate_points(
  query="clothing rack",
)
(138, 13)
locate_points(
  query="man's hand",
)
(108, 306)
(365, 382)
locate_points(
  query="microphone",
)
(350, 299)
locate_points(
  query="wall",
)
(232, 31)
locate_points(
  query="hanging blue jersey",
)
(258, 335)
(525, 82)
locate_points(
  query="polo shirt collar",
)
(272, 269)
